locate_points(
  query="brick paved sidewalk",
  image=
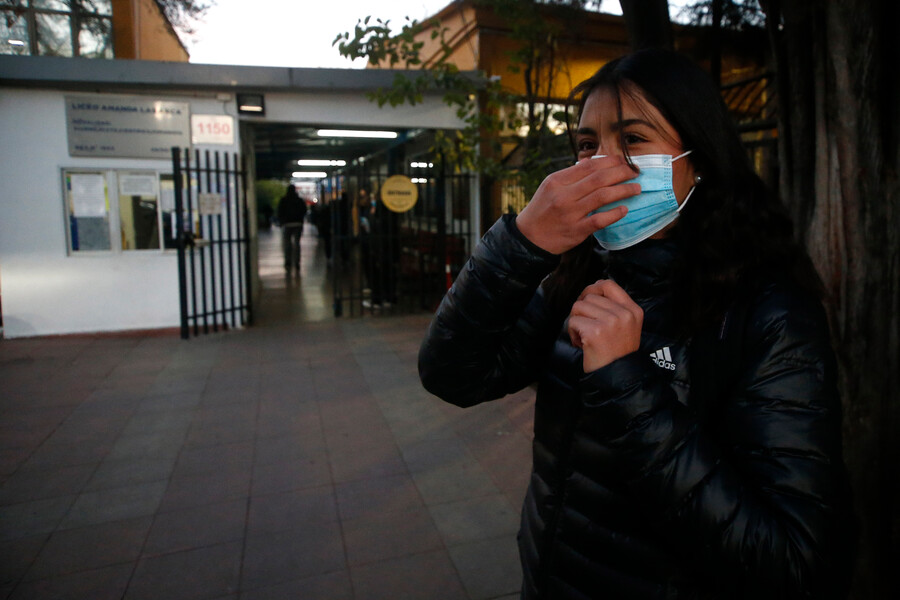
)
(301, 461)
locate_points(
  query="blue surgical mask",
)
(650, 211)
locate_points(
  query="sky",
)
(297, 33)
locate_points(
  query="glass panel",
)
(13, 33)
(138, 206)
(100, 7)
(62, 5)
(94, 39)
(87, 209)
(54, 35)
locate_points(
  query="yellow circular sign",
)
(399, 193)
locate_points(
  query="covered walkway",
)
(299, 458)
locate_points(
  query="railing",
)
(753, 102)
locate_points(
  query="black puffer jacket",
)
(693, 468)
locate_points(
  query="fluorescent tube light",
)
(316, 162)
(309, 174)
(356, 133)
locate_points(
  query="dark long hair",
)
(734, 228)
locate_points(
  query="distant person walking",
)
(291, 211)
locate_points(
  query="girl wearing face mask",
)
(687, 426)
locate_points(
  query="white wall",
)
(43, 289)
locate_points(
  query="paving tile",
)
(352, 465)
(369, 498)
(434, 454)
(315, 549)
(32, 518)
(426, 576)
(88, 548)
(489, 568)
(196, 527)
(273, 513)
(331, 586)
(298, 422)
(226, 459)
(155, 444)
(360, 437)
(457, 481)
(210, 572)
(390, 535)
(130, 471)
(57, 456)
(305, 472)
(145, 422)
(103, 506)
(199, 490)
(108, 583)
(12, 458)
(186, 401)
(16, 557)
(216, 433)
(475, 519)
(288, 448)
(26, 485)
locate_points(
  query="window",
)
(56, 28)
(111, 210)
(139, 211)
(87, 210)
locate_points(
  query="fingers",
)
(605, 323)
(606, 293)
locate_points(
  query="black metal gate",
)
(211, 221)
(387, 263)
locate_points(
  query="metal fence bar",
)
(180, 243)
(228, 226)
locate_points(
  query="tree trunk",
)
(648, 24)
(838, 147)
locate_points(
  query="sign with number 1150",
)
(212, 129)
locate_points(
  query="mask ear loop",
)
(686, 198)
(693, 187)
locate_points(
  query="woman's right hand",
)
(558, 218)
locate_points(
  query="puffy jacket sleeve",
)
(753, 496)
(491, 329)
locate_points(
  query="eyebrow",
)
(629, 122)
(617, 126)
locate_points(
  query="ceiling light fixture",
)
(309, 174)
(355, 133)
(315, 162)
(254, 104)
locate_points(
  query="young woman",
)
(687, 431)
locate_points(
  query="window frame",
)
(75, 15)
(113, 197)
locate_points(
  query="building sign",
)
(212, 129)
(399, 193)
(126, 126)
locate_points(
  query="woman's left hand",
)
(605, 323)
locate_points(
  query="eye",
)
(631, 139)
(586, 145)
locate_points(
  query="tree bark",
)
(838, 141)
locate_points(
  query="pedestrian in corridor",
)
(687, 431)
(291, 212)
